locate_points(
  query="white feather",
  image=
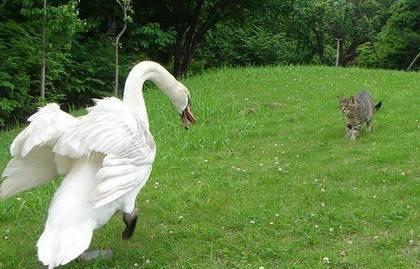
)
(33, 162)
(106, 157)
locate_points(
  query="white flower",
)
(238, 169)
(316, 180)
(322, 204)
(136, 264)
(271, 223)
(18, 198)
(276, 163)
(403, 173)
(261, 164)
(280, 169)
(316, 226)
(277, 215)
(180, 217)
(326, 260)
(411, 242)
(331, 229)
(206, 161)
(252, 221)
(322, 190)
(343, 253)
(312, 214)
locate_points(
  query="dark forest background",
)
(187, 37)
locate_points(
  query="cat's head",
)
(347, 105)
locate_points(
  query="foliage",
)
(19, 60)
(189, 35)
(398, 42)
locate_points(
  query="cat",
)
(357, 110)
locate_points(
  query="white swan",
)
(106, 157)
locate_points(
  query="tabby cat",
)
(357, 110)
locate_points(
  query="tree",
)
(126, 8)
(191, 20)
(397, 43)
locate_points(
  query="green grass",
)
(264, 180)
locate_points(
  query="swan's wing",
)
(34, 162)
(113, 129)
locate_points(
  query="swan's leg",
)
(90, 255)
(130, 220)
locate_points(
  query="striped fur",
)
(358, 109)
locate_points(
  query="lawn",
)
(265, 179)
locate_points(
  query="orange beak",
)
(187, 117)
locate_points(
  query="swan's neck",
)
(133, 90)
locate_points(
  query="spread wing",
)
(113, 129)
(34, 163)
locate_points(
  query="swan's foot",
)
(91, 255)
(130, 220)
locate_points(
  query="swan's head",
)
(182, 102)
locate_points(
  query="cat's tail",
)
(378, 106)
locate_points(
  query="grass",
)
(264, 180)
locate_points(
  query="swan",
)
(106, 157)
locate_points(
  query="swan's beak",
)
(187, 117)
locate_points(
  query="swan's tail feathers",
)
(60, 245)
(25, 173)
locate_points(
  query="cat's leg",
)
(347, 131)
(355, 132)
(369, 126)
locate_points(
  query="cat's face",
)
(347, 105)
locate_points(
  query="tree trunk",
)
(43, 50)
(413, 62)
(179, 56)
(337, 55)
(116, 70)
(190, 35)
(125, 7)
(117, 44)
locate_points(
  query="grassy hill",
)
(264, 180)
